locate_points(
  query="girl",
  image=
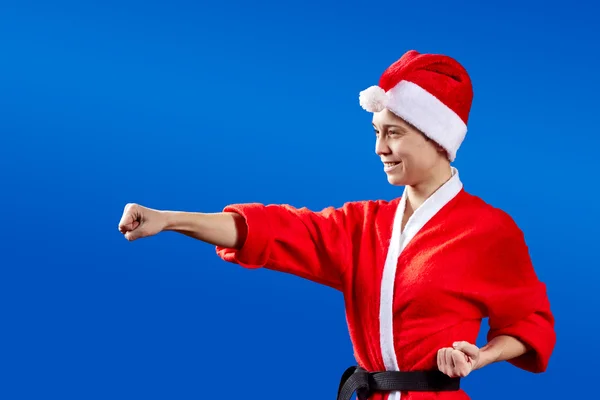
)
(418, 273)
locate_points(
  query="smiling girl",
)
(418, 273)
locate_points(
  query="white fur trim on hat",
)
(421, 109)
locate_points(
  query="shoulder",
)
(355, 212)
(372, 205)
(351, 211)
(487, 217)
(372, 209)
(501, 242)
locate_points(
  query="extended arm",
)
(220, 229)
(317, 246)
(314, 245)
(226, 229)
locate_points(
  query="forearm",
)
(219, 229)
(501, 348)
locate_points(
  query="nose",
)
(381, 146)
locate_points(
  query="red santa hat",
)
(432, 92)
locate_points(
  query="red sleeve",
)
(516, 300)
(314, 245)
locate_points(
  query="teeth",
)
(390, 164)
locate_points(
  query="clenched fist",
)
(458, 360)
(139, 222)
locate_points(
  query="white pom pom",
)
(373, 99)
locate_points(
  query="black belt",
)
(356, 379)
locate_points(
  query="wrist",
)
(171, 220)
(487, 355)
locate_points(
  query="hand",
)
(138, 222)
(459, 360)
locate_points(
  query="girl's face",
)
(408, 156)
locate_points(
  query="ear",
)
(442, 150)
(437, 146)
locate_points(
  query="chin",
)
(396, 180)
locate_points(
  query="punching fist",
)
(459, 360)
(139, 222)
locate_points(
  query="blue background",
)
(191, 106)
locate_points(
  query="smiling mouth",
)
(388, 166)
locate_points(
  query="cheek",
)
(399, 148)
(406, 150)
(415, 156)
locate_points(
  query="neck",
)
(417, 194)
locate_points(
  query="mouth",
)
(388, 166)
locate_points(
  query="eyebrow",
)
(390, 126)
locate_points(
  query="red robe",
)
(408, 294)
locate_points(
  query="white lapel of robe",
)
(398, 243)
